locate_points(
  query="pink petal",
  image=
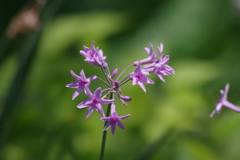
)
(107, 126)
(120, 125)
(77, 92)
(123, 117)
(89, 112)
(92, 78)
(83, 75)
(113, 128)
(75, 76)
(142, 86)
(97, 92)
(105, 118)
(226, 91)
(106, 101)
(212, 114)
(88, 93)
(84, 104)
(231, 106)
(73, 85)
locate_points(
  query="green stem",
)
(104, 137)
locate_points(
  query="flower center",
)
(82, 82)
(113, 119)
(95, 101)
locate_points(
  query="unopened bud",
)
(115, 71)
(126, 98)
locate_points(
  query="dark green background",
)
(39, 121)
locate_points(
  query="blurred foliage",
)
(170, 121)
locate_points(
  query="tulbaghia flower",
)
(81, 84)
(114, 120)
(94, 102)
(138, 77)
(151, 56)
(94, 56)
(160, 67)
(224, 102)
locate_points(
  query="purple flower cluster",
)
(224, 102)
(94, 55)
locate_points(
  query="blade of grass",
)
(27, 57)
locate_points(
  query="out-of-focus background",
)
(40, 43)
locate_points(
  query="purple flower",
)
(81, 84)
(114, 120)
(94, 102)
(151, 56)
(94, 56)
(115, 71)
(138, 77)
(160, 67)
(224, 102)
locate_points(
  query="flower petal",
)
(218, 107)
(160, 49)
(107, 126)
(113, 128)
(106, 101)
(231, 106)
(84, 104)
(97, 92)
(89, 93)
(213, 112)
(160, 77)
(75, 76)
(142, 86)
(73, 85)
(123, 117)
(83, 75)
(92, 78)
(77, 92)
(99, 109)
(89, 112)
(120, 125)
(225, 92)
(105, 118)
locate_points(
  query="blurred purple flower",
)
(160, 67)
(94, 102)
(94, 56)
(114, 120)
(138, 77)
(81, 84)
(224, 102)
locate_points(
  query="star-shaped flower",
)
(160, 67)
(94, 102)
(151, 56)
(81, 84)
(138, 77)
(94, 56)
(114, 120)
(224, 102)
